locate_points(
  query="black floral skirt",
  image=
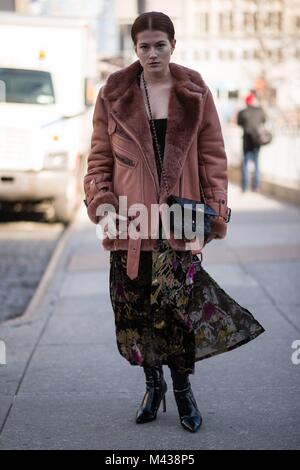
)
(174, 312)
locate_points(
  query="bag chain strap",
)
(155, 136)
(157, 143)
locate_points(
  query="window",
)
(201, 55)
(27, 86)
(221, 54)
(201, 23)
(233, 94)
(226, 22)
(197, 55)
(248, 21)
(274, 20)
(207, 55)
(225, 54)
(257, 54)
(256, 21)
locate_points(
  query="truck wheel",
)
(65, 205)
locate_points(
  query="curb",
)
(46, 277)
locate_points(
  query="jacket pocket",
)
(127, 172)
(128, 162)
(124, 145)
(127, 175)
(124, 156)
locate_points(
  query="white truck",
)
(48, 86)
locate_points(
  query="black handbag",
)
(184, 223)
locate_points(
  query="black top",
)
(160, 127)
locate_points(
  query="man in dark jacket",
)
(250, 119)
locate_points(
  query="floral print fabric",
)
(174, 313)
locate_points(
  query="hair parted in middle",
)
(153, 21)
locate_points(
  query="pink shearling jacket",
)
(122, 160)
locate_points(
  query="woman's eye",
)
(146, 47)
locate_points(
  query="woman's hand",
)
(112, 225)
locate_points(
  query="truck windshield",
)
(26, 86)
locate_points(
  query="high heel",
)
(156, 388)
(189, 414)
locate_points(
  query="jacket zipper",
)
(140, 147)
(125, 160)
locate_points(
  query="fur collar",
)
(184, 115)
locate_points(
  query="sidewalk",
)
(65, 385)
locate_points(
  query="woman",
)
(157, 132)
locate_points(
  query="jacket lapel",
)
(185, 114)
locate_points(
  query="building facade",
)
(237, 45)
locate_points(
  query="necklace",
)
(155, 135)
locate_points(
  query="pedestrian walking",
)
(168, 310)
(250, 119)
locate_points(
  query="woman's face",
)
(154, 50)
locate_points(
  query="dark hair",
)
(153, 20)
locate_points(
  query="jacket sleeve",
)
(212, 161)
(98, 185)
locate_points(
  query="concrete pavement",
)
(65, 385)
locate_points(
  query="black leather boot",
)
(189, 414)
(156, 388)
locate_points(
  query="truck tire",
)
(65, 205)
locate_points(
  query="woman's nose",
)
(153, 53)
